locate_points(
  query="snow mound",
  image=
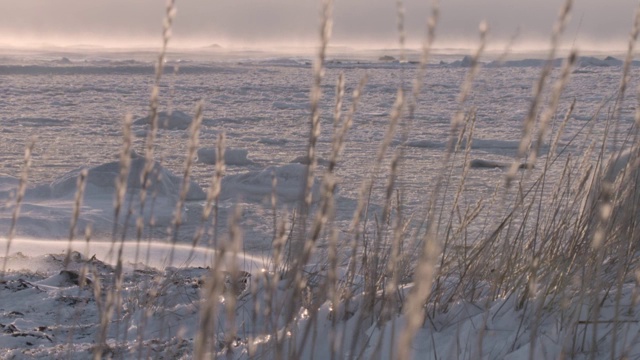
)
(64, 60)
(490, 164)
(237, 157)
(488, 145)
(465, 62)
(256, 186)
(270, 141)
(37, 304)
(585, 61)
(280, 105)
(582, 61)
(622, 170)
(101, 181)
(8, 184)
(304, 160)
(47, 209)
(175, 120)
(619, 161)
(487, 164)
(523, 63)
(38, 122)
(613, 61)
(427, 144)
(387, 58)
(36, 255)
(280, 61)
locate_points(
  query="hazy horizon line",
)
(464, 45)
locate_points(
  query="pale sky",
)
(596, 24)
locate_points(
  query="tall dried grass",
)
(555, 248)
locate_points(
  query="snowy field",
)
(71, 103)
(75, 110)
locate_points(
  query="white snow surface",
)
(47, 208)
(257, 186)
(47, 312)
(261, 104)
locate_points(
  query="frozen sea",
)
(72, 104)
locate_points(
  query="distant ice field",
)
(74, 106)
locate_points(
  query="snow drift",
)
(48, 208)
(487, 145)
(257, 186)
(101, 181)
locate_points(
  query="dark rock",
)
(387, 58)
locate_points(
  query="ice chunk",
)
(465, 62)
(231, 156)
(490, 164)
(304, 160)
(387, 58)
(270, 141)
(488, 145)
(175, 120)
(280, 105)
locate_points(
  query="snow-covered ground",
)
(73, 109)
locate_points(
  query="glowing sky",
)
(362, 23)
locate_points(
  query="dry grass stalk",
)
(22, 187)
